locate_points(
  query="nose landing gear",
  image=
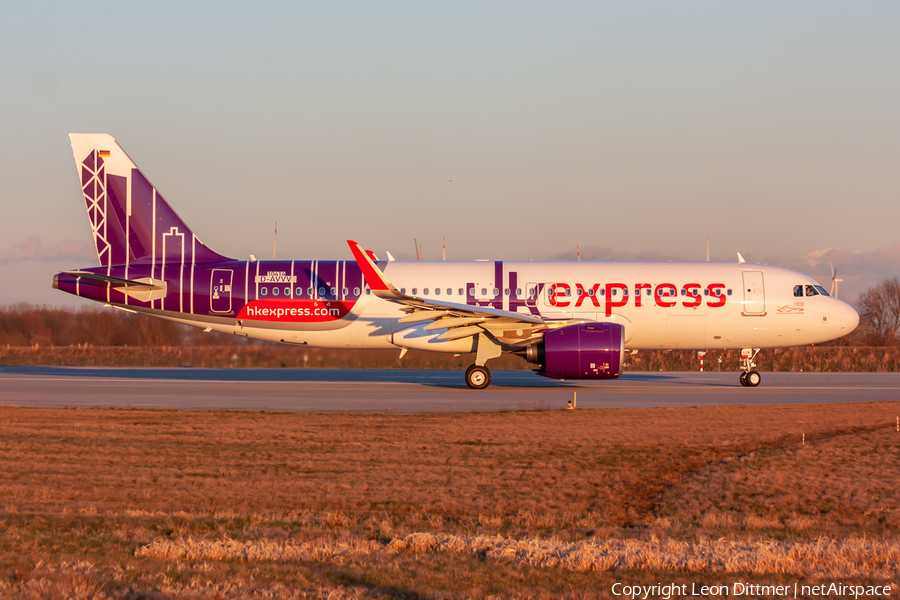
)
(750, 377)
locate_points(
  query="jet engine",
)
(582, 351)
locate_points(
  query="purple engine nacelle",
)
(582, 351)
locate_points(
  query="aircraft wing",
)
(460, 320)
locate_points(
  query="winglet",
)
(372, 274)
(740, 258)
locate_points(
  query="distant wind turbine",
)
(835, 280)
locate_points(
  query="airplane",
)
(572, 320)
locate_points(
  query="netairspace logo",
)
(672, 590)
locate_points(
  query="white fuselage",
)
(687, 305)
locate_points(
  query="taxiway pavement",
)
(413, 391)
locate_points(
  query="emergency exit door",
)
(754, 294)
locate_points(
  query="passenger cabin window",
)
(309, 292)
(415, 291)
(425, 292)
(437, 291)
(484, 291)
(450, 291)
(518, 292)
(496, 292)
(263, 292)
(368, 292)
(356, 291)
(274, 291)
(346, 291)
(321, 291)
(299, 291)
(402, 290)
(472, 292)
(461, 293)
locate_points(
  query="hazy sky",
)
(517, 130)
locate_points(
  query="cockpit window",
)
(811, 290)
(822, 290)
(798, 291)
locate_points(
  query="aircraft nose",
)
(848, 318)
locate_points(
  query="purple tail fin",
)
(131, 222)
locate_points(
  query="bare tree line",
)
(28, 325)
(879, 313)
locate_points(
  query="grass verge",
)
(526, 504)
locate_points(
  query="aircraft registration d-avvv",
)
(573, 319)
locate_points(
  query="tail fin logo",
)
(93, 185)
(130, 220)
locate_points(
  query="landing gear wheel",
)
(752, 379)
(749, 377)
(477, 377)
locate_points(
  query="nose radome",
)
(848, 318)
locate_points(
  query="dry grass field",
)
(134, 504)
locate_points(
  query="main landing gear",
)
(477, 377)
(750, 376)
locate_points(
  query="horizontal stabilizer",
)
(144, 289)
